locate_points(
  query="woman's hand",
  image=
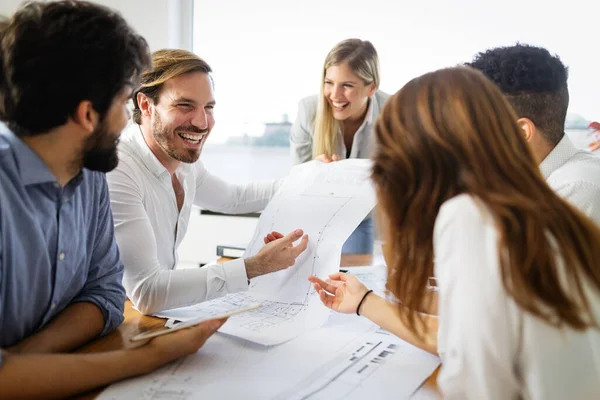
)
(341, 292)
(326, 159)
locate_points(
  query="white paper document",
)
(348, 359)
(326, 200)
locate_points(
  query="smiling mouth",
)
(339, 106)
(192, 139)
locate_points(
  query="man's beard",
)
(161, 136)
(100, 150)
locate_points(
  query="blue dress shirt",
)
(57, 244)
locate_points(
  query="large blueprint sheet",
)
(348, 358)
(327, 201)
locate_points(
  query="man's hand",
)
(341, 292)
(326, 159)
(279, 253)
(273, 236)
(64, 375)
(167, 348)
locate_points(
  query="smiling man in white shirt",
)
(158, 180)
(535, 83)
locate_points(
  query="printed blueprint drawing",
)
(352, 359)
(326, 200)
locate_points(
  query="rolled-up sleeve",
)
(104, 286)
(301, 134)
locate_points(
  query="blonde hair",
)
(166, 64)
(361, 57)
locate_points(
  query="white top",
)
(490, 348)
(301, 136)
(575, 175)
(149, 227)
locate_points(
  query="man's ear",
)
(85, 116)
(144, 104)
(527, 127)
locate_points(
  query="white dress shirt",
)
(491, 349)
(575, 175)
(149, 227)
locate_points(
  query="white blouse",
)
(491, 349)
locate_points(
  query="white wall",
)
(7, 7)
(164, 24)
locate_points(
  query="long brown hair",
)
(361, 57)
(451, 132)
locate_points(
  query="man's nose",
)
(200, 119)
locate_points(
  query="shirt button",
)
(61, 256)
(56, 184)
(53, 306)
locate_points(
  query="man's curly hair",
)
(534, 81)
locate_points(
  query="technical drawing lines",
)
(320, 238)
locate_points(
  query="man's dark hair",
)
(55, 55)
(534, 81)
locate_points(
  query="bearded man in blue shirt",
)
(67, 70)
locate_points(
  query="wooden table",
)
(135, 323)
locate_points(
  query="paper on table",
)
(327, 201)
(352, 359)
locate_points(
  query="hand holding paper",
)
(276, 255)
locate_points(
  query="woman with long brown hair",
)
(518, 268)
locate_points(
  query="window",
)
(268, 54)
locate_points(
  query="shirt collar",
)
(134, 133)
(559, 155)
(369, 116)
(32, 169)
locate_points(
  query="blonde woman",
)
(518, 268)
(337, 123)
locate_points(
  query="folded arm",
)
(34, 376)
(73, 327)
(49, 376)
